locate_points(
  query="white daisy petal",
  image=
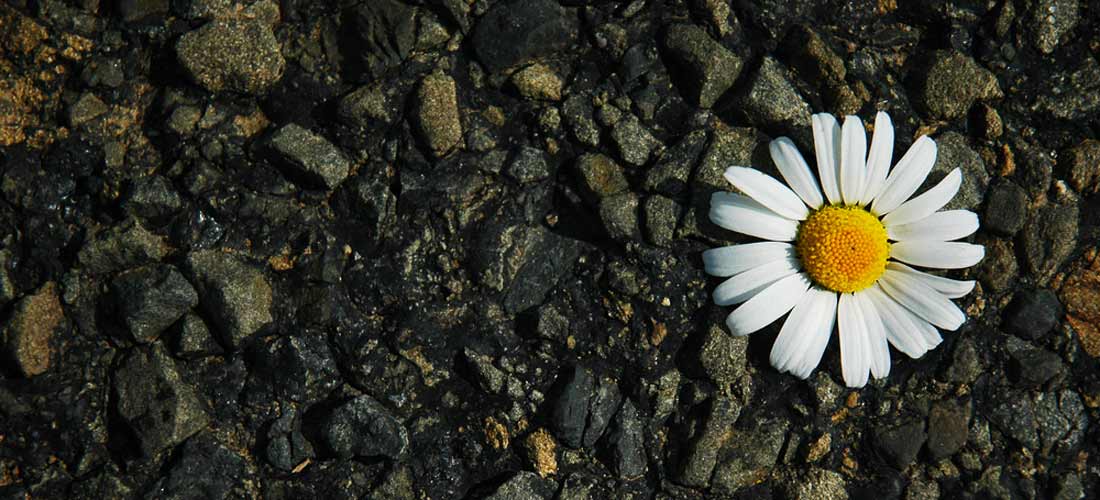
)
(853, 159)
(855, 357)
(937, 254)
(768, 305)
(743, 215)
(906, 176)
(747, 284)
(952, 289)
(767, 191)
(940, 226)
(924, 205)
(922, 300)
(902, 328)
(802, 340)
(792, 166)
(733, 259)
(876, 335)
(827, 148)
(878, 160)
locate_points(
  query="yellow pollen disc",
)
(843, 248)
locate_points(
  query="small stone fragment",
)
(570, 410)
(817, 484)
(205, 469)
(812, 57)
(1084, 167)
(238, 56)
(153, 197)
(151, 298)
(437, 116)
(517, 31)
(161, 408)
(120, 247)
(236, 296)
(1032, 314)
(28, 336)
(954, 81)
(771, 100)
(192, 339)
(619, 214)
(954, 151)
(947, 428)
(529, 165)
(1032, 367)
(600, 177)
(1006, 208)
(489, 377)
(542, 451)
(634, 141)
(709, 68)
(999, 267)
(702, 454)
(723, 356)
(538, 82)
(578, 113)
(1049, 238)
(662, 214)
(1081, 296)
(310, 157)
(363, 427)
(900, 445)
(1052, 21)
(628, 458)
(85, 109)
(525, 486)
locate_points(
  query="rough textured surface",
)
(286, 249)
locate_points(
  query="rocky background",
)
(444, 249)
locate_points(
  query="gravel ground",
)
(451, 249)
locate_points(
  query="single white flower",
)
(837, 257)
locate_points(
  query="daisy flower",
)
(837, 253)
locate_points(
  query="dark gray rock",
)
(367, 106)
(771, 100)
(1080, 161)
(87, 108)
(954, 151)
(7, 285)
(753, 452)
(999, 268)
(808, 53)
(489, 377)
(142, 10)
(529, 165)
(524, 486)
(309, 157)
(383, 33)
(948, 423)
(1032, 313)
(602, 407)
(672, 172)
(701, 455)
(723, 356)
(1075, 95)
(1061, 422)
(600, 177)
(709, 69)
(1013, 413)
(578, 113)
(121, 247)
(816, 484)
(363, 427)
(633, 140)
(619, 214)
(1005, 209)
(151, 298)
(205, 469)
(1030, 366)
(1049, 238)
(627, 444)
(523, 261)
(236, 296)
(954, 82)
(237, 56)
(192, 339)
(661, 217)
(153, 399)
(286, 446)
(900, 445)
(152, 198)
(300, 367)
(965, 365)
(570, 409)
(518, 31)
(370, 200)
(1051, 22)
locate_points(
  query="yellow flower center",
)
(843, 248)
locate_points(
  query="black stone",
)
(1032, 367)
(1032, 313)
(152, 199)
(709, 69)
(363, 427)
(152, 397)
(626, 443)
(300, 367)
(286, 446)
(151, 298)
(205, 469)
(603, 405)
(947, 428)
(570, 410)
(524, 486)
(900, 445)
(518, 31)
(1005, 209)
(381, 34)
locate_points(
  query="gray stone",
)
(309, 157)
(523, 261)
(373, 204)
(7, 285)
(899, 445)
(954, 82)
(627, 443)
(709, 68)
(999, 268)
(205, 469)
(300, 368)
(120, 247)
(538, 82)
(1032, 313)
(634, 142)
(151, 298)
(600, 177)
(661, 217)
(1052, 21)
(948, 422)
(88, 107)
(1013, 414)
(701, 455)
(384, 32)
(771, 100)
(524, 485)
(192, 339)
(812, 57)
(153, 197)
(529, 165)
(154, 400)
(286, 446)
(619, 214)
(236, 296)
(817, 484)
(362, 427)
(965, 365)
(517, 31)
(602, 407)
(1049, 238)
(570, 409)
(1032, 367)
(1062, 423)
(672, 172)
(1006, 209)
(489, 377)
(953, 151)
(238, 56)
(367, 106)
(578, 113)
(436, 114)
(723, 356)
(1069, 488)
(1072, 94)
(754, 452)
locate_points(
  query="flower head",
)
(837, 252)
